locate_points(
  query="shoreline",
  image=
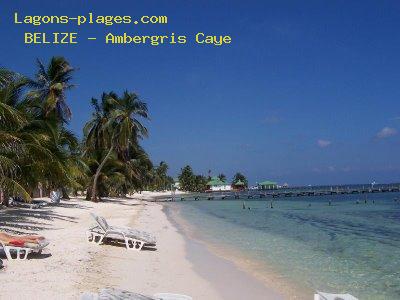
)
(242, 283)
(245, 267)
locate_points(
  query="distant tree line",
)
(191, 182)
(160, 180)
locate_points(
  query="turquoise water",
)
(342, 247)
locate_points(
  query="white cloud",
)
(323, 143)
(386, 132)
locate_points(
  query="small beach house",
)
(267, 185)
(216, 184)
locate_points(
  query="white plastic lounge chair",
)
(34, 204)
(111, 293)
(328, 296)
(21, 253)
(133, 239)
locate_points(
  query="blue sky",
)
(307, 93)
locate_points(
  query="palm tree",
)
(35, 147)
(114, 129)
(11, 146)
(222, 177)
(63, 165)
(49, 87)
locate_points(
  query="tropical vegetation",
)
(160, 180)
(191, 182)
(222, 177)
(36, 148)
(39, 152)
(239, 177)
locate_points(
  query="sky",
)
(306, 93)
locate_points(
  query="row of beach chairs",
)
(132, 239)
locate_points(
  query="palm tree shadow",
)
(40, 255)
(22, 220)
(30, 256)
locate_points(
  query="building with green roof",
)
(267, 185)
(216, 184)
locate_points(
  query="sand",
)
(70, 266)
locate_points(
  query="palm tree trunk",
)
(88, 193)
(6, 199)
(96, 176)
(64, 193)
(40, 187)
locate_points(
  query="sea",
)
(336, 243)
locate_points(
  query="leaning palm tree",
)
(115, 128)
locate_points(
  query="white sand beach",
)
(70, 266)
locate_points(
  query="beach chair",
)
(133, 239)
(55, 197)
(111, 293)
(21, 252)
(34, 204)
(328, 296)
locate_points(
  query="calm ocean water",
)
(342, 247)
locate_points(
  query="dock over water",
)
(282, 193)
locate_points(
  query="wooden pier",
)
(283, 193)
